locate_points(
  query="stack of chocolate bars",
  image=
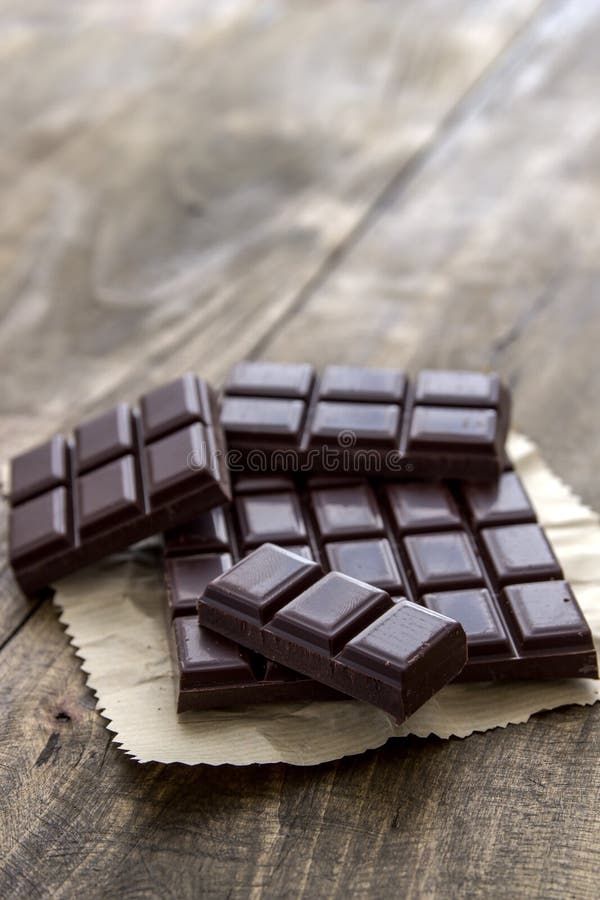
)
(356, 534)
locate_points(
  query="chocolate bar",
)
(473, 552)
(360, 421)
(121, 477)
(335, 629)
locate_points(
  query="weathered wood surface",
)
(186, 183)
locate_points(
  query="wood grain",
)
(178, 217)
(490, 255)
(171, 223)
(192, 182)
(428, 818)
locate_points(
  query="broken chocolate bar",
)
(123, 476)
(360, 421)
(339, 631)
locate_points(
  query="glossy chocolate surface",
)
(339, 631)
(433, 543)
(360, 421)
(121, 477)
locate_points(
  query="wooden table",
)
(184, 184)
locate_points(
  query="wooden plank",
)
(490, 256)
(172, 228)
(172, 218)
(417, 818)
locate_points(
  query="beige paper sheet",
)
(113, 613)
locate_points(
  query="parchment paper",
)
(114, 616)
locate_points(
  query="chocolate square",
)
(39, 469)
(108, 496)
(475, 611)
(171, 406)
(361, 384)
(206, 658)
(546, 614)
(520, 553)
(262, 582)
(177, 462)
(378, 649)
(103, 438)
(422, 506)
(346, 512)
(371, 561)
(40, 526)
(444, 560)
(266, 417)
(356, 424)
(498, 502)
(273, 517)
(328, 613)
(260, 379)
(438, 427)
(439, 387)
(207, 531)
(188, 577)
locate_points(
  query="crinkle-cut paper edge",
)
(571, 494)
(88, 683)
(134, 758)
(401, 732)
(529, 449)
(323, 760)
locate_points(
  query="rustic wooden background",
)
(184, 183)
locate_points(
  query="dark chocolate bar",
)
(335, 629)
(471, 551)
(123, 476)
(447, 424)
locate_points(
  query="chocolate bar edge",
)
(193, 699)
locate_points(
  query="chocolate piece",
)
(502, 501)
(170, 407)
(347, 511)
(208, 531)
(371, 561)
(107, 436)
(478, 615)
(420, 506)
(256, 379)
(124, 476)
(520, 553)
(424, 541)
(183, 575)
(435, 427)
(368, 385)
(262, 517)
(543, 617)
(366, 421)
(39, 469)
(334, 629)
(41, 526)
(441, 388)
